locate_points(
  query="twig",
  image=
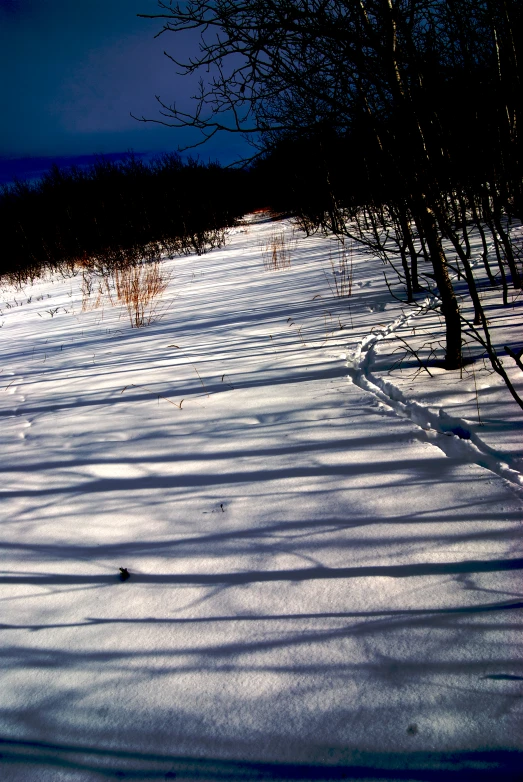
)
(148, 388)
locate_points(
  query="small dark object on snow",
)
(124, 574)
(412, 729)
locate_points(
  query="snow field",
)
(314, 587)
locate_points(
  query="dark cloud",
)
(11, 6)
(75, 73)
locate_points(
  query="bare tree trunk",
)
(406, 272)
(449, 302)
(464, 228)
(477, 221)
(479, 317)
(409, 240)
(501, 268)
(509, 255)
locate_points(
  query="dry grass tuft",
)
(276, 254)
(341, 270)
(138, 287)
(92, 289)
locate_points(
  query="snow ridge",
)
(451, 434)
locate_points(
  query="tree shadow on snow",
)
(473, 766)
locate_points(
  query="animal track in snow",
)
(449, 433)
(12, 390)
(26, 425)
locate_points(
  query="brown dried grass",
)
(276, 254)
(138, 287)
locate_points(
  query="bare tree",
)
(381, 70)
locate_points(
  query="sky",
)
(72, 74)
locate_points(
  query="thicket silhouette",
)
(116, 213)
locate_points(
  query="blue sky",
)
(72, 73)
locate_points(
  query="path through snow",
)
(452, 434)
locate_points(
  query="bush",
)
(111, 213)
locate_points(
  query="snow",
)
(324, 547)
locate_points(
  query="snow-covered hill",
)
(324, 547)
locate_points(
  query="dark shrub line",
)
(116, 213)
